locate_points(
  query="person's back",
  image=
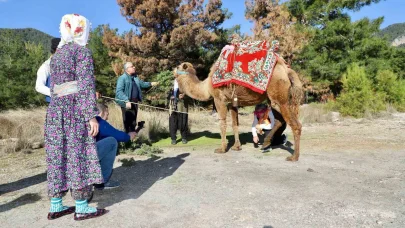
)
(66, 67)
(72, 158)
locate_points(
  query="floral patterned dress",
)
(71, 152)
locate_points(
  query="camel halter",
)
(180, 72)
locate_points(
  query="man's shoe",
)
(111, 184)
(174, 142)
(184, 141)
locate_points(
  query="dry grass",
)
(20, 129)
(316, 113)
(157, 122)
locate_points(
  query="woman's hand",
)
(93, 127)
(255, 139)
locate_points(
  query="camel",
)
(284, 91)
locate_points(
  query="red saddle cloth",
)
(249, 64)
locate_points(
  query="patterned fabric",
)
(71, 153)
(74, 28)
(249, 64)
(77, 194)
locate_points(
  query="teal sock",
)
(56, 205)
(83, 207)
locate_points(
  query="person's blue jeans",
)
(106, 151)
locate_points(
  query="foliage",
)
(358, 95)
(140, 149)
(340, 43)
(273, 21)
(158, 95)
(19, 62)
(318, 12)
(394, 89)
(168, 33)
(105, 77)
(30, 35)
(150, 151)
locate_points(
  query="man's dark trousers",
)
(129, 117)
(178, 121)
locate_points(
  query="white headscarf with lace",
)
(74, 28)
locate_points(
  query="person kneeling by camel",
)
(262, 124)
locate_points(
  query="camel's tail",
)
(295, 92)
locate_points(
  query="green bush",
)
(157, 96)
(358, 96)
(394, 89)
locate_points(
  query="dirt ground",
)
(350, 174)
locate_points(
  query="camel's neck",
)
(194, 88)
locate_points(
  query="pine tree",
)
(167, 33)
(272, 21)
(105, 77)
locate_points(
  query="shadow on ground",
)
(245, 138)
(137, 179)
(20, 201)
(23, 183)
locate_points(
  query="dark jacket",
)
(124, 88)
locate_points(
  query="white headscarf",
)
(74, 28)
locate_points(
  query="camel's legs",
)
(291, 117)
(279, 121)
(235, 127)
(222, 111)
(269, 137)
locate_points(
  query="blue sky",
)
(45, 15)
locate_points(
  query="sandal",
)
(55, 215)
(83, 216)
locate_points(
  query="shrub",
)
(358, 97)
(394, 89)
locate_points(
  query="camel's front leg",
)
(222, 110)
(235, 127)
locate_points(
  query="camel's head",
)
(184, 69)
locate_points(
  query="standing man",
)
(129, 90)
(43, 81)
(178, 104)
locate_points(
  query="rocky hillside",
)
(395, 34)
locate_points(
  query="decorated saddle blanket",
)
(249, 64)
